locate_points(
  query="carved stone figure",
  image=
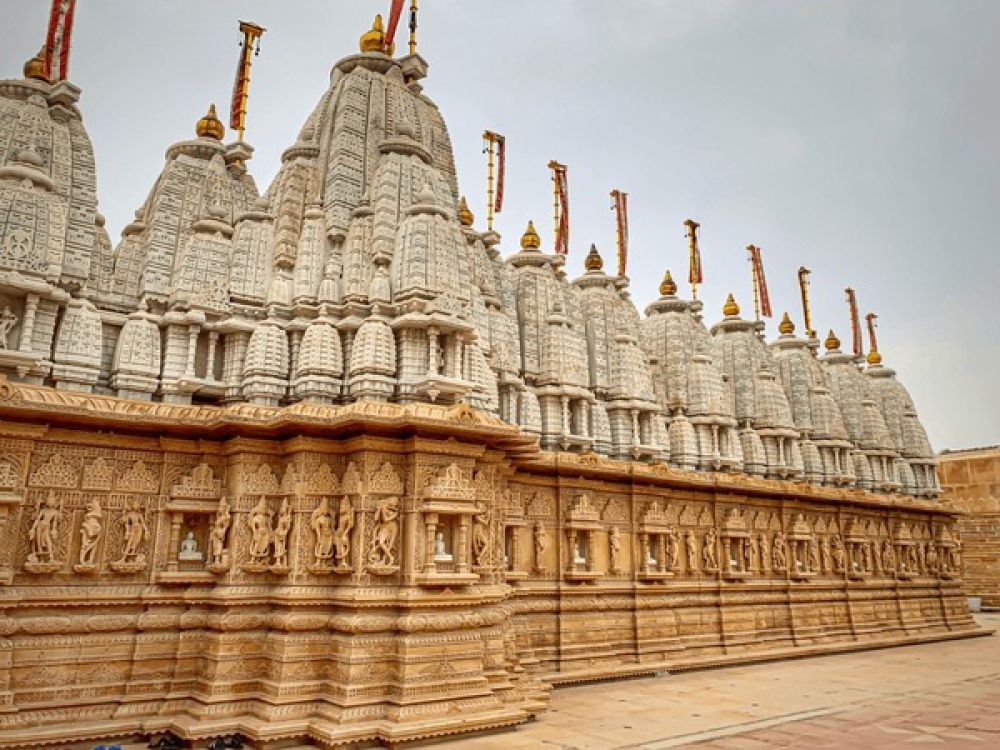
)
(779, 551)
(217, 536)
(826, 559)
(837, 550)
(7, 322)
(614, 547)
(541, 544)
(342, 535)
(260, 532)
(673, 550)
(480, 537)
(90, 533)
(321, 523)
(751, 554)
(708, 552)
(44, 531)
(932, 558)
(691, 547)
(136, 531)
(765, 552)
(814, 561)
(189, 551)
(888, 556)
(279, 536)
(441, 553)
(383, 550)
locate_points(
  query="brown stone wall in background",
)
(970, 480)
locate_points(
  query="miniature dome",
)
(267, 352)
(786, 327)
(138, 348)
(320, 351)
(374, 349)
(210, 126)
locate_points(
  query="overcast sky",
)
(861, 139)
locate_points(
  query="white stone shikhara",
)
(356, 276)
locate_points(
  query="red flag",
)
(852, 303)
(761, 281)
(57, 41)
(390, 31)
(501, 160)
(237, 108)
(621, 219)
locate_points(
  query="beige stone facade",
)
(324, 573)
(970, 482)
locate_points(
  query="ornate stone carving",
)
(91, 530)
(218, 552)
(135, 532)
(382, 553)
(44, 536)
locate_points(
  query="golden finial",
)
(210, 126)
(874, 358)
(530, 240)
(786, 327)
(832, 342)
(35, 67)
(464, 214)
(593, 261)
(374, 39)
(730, 309)
(667, 287)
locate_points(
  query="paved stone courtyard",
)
(944, 695)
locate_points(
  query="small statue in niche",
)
(321, 523)
(868, 560)
(691, 547)
(189, 551)
(614, 547)
(932, 558)
(382, 553)
(480, 536)
(765, 552)
(578, 553)
(837, 550)
(750, 554)
(342, 536)
(673, 550)
(441, 553)
(7, 322)
(260, 532)
(44, 531)
(779, 551)
(217, 536)
(541, 544)
(708, 553)
(826, 560)
(888, 556)
(279, 537)
(135, 532)
(814, 561)
(90, 534)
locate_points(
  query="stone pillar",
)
(28, 325)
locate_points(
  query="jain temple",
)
(328, 465)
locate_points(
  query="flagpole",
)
(751, 249)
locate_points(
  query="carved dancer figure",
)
(837, 549)
(614, 547)
(814, 561)
(90, 533)
(691, 547)
(708, 553)
(135, 532)
(480, 536)
(765, 552)
(7, 322)
(260, 532)
(383, 551)
(751, 554)
(780, 551)
(826, 559)
(279, 537)
(44, 530)
(673, 550)
(888, 556)
(217, 536)
(541, 544)
(321, 523)
(342, 536)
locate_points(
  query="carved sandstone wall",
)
(321, 574)
(970, 482)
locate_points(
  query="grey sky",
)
(857, 138)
